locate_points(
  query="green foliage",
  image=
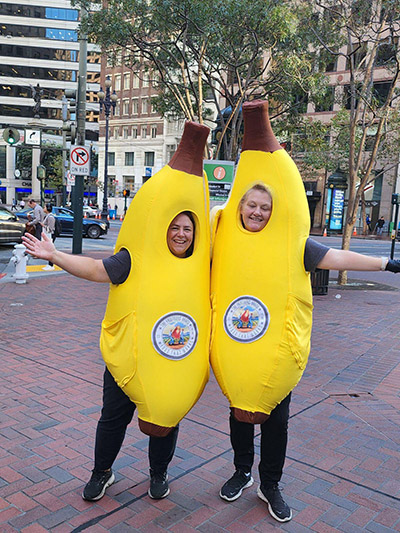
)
(202, 55)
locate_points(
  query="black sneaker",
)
(277, 506)
(158, 485)
(233, 488)
(97, 485)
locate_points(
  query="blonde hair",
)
(257, 187)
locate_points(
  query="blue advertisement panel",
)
(337, 206)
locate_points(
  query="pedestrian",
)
(368, 222)
(255, 211)
(379, 226)
(49, 227)
(118, 409)
(22, 204)
(37, 219)
(14, 205)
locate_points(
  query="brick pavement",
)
(343, 466)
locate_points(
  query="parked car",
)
(89, 211)
(90, 227)
(11, 228)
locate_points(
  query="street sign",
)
(148, 172)
(220, 178)
(70, 179)
(80, 160)
(32, 137)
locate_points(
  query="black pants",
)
(116, 414)
(274, 436)
(53, 238)
(38, 231)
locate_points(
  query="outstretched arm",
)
(81, 267)
(346, 260)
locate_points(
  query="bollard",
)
(20, 260)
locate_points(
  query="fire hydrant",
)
(20, 260)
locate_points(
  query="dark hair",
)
(189, 214)
(49, 208)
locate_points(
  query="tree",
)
(205, 56)
(365, 132)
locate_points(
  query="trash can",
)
(320, 282)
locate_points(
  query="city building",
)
(141, 142)
(39, 51)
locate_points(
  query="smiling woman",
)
(256, 208)
(180, 235)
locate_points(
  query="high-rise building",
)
(39, 51)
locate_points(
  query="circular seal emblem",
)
(246, 319)
(174, 335)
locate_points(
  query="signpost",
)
(79, 167)
(220, 178)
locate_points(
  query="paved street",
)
(343, 465)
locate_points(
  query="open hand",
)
(43, 249)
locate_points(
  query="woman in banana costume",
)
(155, 333)
(262, 302)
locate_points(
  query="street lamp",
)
(107, 101)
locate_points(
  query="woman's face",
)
(256, 210)
(180, 235)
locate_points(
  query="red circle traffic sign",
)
(80, 156)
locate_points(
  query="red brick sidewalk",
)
(343, 467)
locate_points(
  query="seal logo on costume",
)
(174, 335)
(246, 319)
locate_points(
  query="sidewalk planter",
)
(320, 282)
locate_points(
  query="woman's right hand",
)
(43, 249)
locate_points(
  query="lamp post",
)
(107, 101)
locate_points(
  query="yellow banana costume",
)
(261, 293)
(155, 333)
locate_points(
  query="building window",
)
(135, 81)
(135, 106)
(117, 82)
(61, 14)
(127, 80)
(129, 182)
(153, 107)
(125, 132)
(149, 159)
(111, 159)
(144, 132)
(326, 100)
(171, 149)
(129, 159)
(146, 81)
(154, 132)
(126, 107)
(117, 109)
(134, 132)
(116, 133)
(145, 105)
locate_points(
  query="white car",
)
(89, 211)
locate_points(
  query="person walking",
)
(38, 217)
(379, 226)
(49, 227)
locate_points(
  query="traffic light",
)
(395, 198)
(70, 130)
(70, 95)
(126, 193)
(11, 136)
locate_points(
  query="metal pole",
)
(64, 150)
(104, 212)
(396, 215)
(80, 130)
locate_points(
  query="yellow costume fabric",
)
(261, 293)
(155, 333)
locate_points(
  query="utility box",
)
(320, 282)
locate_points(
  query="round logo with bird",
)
(246, 319)
(174, 335)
